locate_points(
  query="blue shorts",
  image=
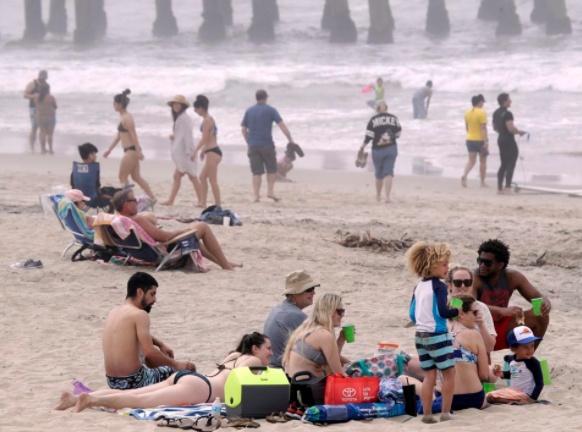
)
(384, 158)
(435, 350)
(142, 378)
(477, 147)
(50, 124)
(32, 113)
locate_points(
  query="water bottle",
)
(216, 408)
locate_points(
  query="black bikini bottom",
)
(130, 148)
(215, 150)
(185, 373)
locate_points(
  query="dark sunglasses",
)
(131, 200)
(485, 262)
(459, 282)
(475, 311)
(309, 290)
(341, 312)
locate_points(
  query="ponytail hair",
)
(122, 98)
(202, 102)
(248, 341)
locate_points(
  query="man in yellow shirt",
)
(477, 139)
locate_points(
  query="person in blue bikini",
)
(182, 388)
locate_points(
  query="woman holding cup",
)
(313, 345)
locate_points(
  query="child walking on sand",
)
(429, 312)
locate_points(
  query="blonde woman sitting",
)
(313, 346)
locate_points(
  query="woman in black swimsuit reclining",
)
(182, 388)
(209, 149)
(132, 153)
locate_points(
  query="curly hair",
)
(423, 256)
(497, 248)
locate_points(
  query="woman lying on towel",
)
(313, 346)
(182, 388)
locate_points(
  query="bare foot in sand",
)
(446, 417)
(68, 400)
(200, 205)
(167, 203)
(484, 185)
(429, 419)
(274, 198)
(235, 265)
(256, 200)
(83, 402)
(387, 201)
(464, 182)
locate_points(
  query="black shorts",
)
(263, 158)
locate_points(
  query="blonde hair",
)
(424, 256)
(321, 316)
(455, 268)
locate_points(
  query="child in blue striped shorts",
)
(429, 311)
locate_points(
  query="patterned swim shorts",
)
(435, 350)
(142, 378)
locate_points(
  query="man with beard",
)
(128, 343)
(494, 284)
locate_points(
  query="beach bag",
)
(383, 366)
(343, 391)
(308, 389)
(214, 215)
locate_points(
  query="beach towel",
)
(65, 206)
(391, 392)
(345, 413)
(171, 412)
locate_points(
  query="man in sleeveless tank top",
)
(494, 285)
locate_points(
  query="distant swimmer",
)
(477, 139)
(383, 130)
(508, 150)
(419, 106)
(379, 92)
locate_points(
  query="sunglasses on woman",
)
(475, 311)
(485, 262)
(460, 282)
(341, 312)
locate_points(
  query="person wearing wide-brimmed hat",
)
(182, 141)
(288, 315)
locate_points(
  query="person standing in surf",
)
(209, 150)
(419, 107)
(508, 150)
(383, 130)
(32, 89)
(182, 140)
(379, 93)
(132, 152)
(477, 139)
(257, 130)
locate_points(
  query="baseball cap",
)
(521, 335)
(76, 195)
(298, 282)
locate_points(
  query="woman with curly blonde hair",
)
(429, 311)
(313, 346)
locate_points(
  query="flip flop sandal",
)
(207, 423)
(359, 159)
(364, 160)
(277, 418)
(28, 264)
(241, 423)
(168, 423)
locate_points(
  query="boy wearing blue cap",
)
(525, 372)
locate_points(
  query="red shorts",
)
(501, 329)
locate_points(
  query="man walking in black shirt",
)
(503, 125)
(383, 130)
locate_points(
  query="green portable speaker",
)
(256, 395)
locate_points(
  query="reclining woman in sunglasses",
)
(470, 357)
(182, 388)
(313, 345)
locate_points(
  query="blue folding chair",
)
(85, 177)
(134, 247)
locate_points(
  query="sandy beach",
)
(52, 319)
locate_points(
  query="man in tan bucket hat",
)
(288, 315)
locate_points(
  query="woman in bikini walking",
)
(132, 152)
(182, 388)
(210, 151)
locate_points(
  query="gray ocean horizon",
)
(315, 86)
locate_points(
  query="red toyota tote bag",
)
(343, 391)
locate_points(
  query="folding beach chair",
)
(85, 177)
(177, 248)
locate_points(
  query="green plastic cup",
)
(488, 387)
(349, 333)
(537, 305)
(456, 303)
(545, 371)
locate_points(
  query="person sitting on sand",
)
(525, 371)
(469, 356)
(312, 346)
(288, 315)
(182, 388)
(128, 343)
(494, 285)
(126, 205)
(285, 164)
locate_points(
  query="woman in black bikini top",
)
(182, 388)
(131, 148)
(211, 152)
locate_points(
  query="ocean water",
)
(315, 85)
